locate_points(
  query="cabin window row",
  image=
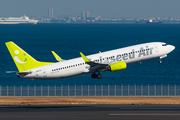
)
(68, 67)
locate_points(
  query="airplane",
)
(113, 60)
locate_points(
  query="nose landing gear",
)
(160, 61)
(163, 56)
(98, 76)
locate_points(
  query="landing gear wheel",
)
(160, 61)
(99, 76)
(94, 75)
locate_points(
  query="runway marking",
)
(147, 114)
(149, 108)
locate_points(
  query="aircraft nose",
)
(171, 47)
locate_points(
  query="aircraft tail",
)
(22, 59)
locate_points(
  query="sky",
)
(103, 8)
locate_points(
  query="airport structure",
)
(91, 90)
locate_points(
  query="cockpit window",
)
(164, 44)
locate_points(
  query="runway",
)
(89, 112)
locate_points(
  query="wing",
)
(99, 66)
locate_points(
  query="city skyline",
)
(50, 13)
(107, 8)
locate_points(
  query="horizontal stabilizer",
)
(23, 73)
(56, 56)
(11, 71)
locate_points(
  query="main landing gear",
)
(98, 76)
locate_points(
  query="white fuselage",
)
(77, 66)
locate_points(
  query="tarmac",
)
(89, 107)
(89, 112)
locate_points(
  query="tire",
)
(99, 76)
(94, 76)
(160, 61)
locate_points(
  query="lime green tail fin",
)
(22, 59)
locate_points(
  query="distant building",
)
(87, 14)
(50, 13)
(83, 15)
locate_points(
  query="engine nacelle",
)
(117, 66)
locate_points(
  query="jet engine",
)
(117, 66)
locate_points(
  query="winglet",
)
(86, 60)
(56, 56)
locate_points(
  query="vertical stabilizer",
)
(22, 59)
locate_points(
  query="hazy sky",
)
(104, 8)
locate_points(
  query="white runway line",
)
(147, 114)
